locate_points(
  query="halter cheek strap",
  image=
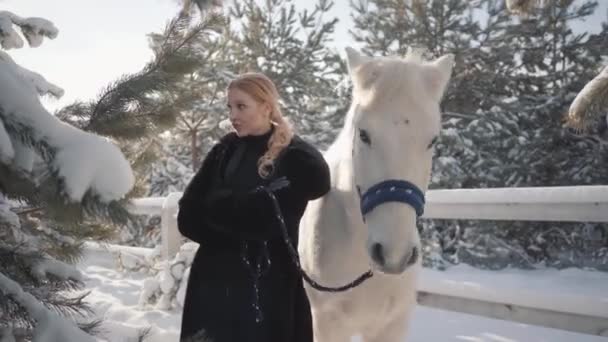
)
(393, 190)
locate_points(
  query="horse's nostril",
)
(378, 254)
(414, 256)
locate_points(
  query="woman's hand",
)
(275, 185)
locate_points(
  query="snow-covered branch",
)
(591, 102)
(34, 30)
(37, 81)
(7, 152)
(50, 327)
(68, 149)
(56, 268)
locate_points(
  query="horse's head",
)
(396, 120)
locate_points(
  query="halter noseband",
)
(393, 190)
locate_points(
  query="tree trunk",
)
(194, 149)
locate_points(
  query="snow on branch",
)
(7, 152)
(57, 268)
(34, 30)
(591, 102)
(8, 216)
(51, 327)
(37, 81)
(84, 161)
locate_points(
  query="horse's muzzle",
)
(379, 258)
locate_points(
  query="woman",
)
(244, 285)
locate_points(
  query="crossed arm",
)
(250, 215)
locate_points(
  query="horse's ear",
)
(441, 73)
(354, 58)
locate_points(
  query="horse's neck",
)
(339, 158)
(332, 238)
(334, 241)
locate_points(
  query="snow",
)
(580, 292)
(56, 268)
(115, 296)
(84, 160)
(38, 83)
(9, 38)
(8, 216)
(108, 174)
(34, 30)
(6, 146)
(50, 327)
(57, 329)
(24, 156)
(7, 335)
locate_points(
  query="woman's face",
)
(248, 116)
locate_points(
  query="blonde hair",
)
(263, 90)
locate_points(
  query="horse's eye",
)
(364, 136)
(433, 142)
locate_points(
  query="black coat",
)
(235, 227)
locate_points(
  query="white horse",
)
(388, 134)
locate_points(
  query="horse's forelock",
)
(384, 78)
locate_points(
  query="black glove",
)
(278, 183)
(275, 185)
(225, 192)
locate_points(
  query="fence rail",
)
(566, 204)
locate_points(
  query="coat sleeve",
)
(251, 215)
(191, 216)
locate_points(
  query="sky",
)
(99, 41)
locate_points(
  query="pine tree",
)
(591, 101)
(498, 110)
(63, 182)
(291, 47)
(44, 192)
(556, 64)
(273, 38)
(199, 106)
(137, 109)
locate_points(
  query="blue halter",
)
(393, 190)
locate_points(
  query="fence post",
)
(170, 235)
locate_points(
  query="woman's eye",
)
(241, 106)
(364, 136)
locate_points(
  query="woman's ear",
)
(268, 111)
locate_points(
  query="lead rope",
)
(296, 258)
(256, 273)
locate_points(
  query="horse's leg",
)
(394, 331)
(329, 328)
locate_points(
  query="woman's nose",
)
(232, 112)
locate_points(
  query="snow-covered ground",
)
(115, 297)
